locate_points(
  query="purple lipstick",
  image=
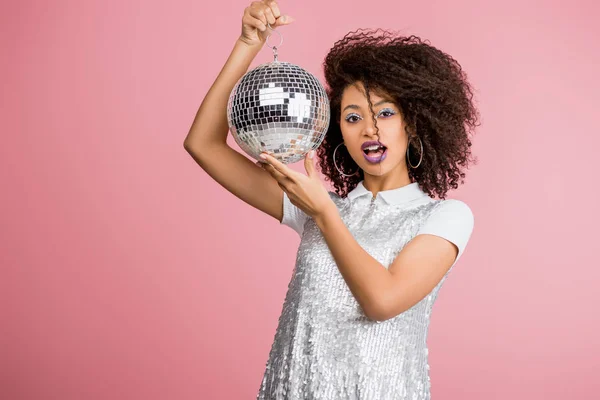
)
(373, 151)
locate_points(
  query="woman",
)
(374, 254)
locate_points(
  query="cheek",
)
(396, 144)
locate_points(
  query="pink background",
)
(127, 273)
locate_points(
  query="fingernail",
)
(311, 154)
(263, 156)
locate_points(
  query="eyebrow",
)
(354, 106)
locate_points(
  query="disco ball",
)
(278, 108)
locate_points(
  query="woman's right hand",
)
(255, 19)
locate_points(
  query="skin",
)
(256, 17)
(357, 127)
(382, 293)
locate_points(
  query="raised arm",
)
(206, 141)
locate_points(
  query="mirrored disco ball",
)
(278, 108)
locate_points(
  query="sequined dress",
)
(324, 345)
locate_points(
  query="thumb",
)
(309, 163)
(284, 20)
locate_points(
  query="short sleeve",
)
(453, 220)
(293, 216)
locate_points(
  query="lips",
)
(374, 156)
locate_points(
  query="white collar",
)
(401, 195)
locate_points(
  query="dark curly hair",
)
(431, 91)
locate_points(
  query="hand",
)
(305, 192)
(255, 19)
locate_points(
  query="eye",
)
(349, 118)
(388, 111)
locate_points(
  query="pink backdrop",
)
(127, 273)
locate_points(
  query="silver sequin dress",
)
(324, 346)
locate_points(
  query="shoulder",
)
(451, 214)
(451, 219)
(454, 209)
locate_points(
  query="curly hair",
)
(431, 91)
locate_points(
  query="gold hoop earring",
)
(335, 164)
(408, 156)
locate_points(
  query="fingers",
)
(248, 19)
(257, 13)
(279, 177)
(261, 11)
(274, 8)
(280, 167)
(271, 19)
(268, 13)
(282, 180)
(309, 163)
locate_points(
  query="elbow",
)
(382, 308)
(191, 149)
(378, 316)
(382, 315)
(376, 310)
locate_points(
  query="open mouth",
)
(375, 153)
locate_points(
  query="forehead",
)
(355, 94)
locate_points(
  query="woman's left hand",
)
(305, 192)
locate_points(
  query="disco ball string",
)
(274, 48)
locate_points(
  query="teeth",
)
(373, 148)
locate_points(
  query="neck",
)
(376, 184)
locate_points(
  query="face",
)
(357, 126)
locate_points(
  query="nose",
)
(369, 127)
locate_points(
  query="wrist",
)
(326, 216)
(241, 42)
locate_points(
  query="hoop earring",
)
(336, 167)
(408, 157)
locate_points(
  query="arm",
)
(206, 141)
(384, 293)
(210, 126)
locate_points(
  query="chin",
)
(375, 170)
(379, 169)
